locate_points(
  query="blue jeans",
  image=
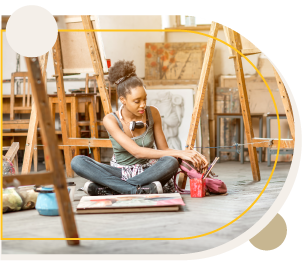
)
(163, 170)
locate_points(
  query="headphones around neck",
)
(133, 124)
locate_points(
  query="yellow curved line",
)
(181, 238)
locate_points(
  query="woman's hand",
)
(199, 161)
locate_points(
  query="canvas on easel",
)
(73, 43)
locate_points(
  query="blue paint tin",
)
(46, 203)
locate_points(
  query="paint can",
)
(198, 188)
(72, 187)
(46, 203)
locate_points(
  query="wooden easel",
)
(32, 130)
(235, 40)
(106, 103)
(56, 176)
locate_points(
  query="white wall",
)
(118, 46)
(131, 46)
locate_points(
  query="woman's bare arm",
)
(127, 143)
(111, 125)
(161, 142)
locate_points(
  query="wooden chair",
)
(20, 106)
(73, 123)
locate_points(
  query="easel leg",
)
(16, 163)
(236, 42)
(35, 160)
(30, 141)
(73, 122)
(218, 135)
(242, 140)
(286, 103)
(268, 135)
(237, 135)
(200, 96)
(97, 63)
(49, 136)
(93, 127)
(52, 110)
(260, 135)
(58, 69)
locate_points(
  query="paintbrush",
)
(210, 168)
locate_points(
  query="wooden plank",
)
(35, 158)
(75, 19)
(44, 178)
(100, 143)
(204, 125)
(12, 152)
(87, 123)
(211, 94)
(58, 68)
(12, 101)
(74, 122)
(50, 142)
(32, 127)
(15, 126)
(24, 93)
(235, 40)
(28, 95)
(212, 132)
(97, 64)
(23, 108)
(286, 103)
(200, 95)
(18, 121)
(273, 143)
(93, 127)
(14, 134)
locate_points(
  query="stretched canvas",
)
(130, 201)
(174, 60)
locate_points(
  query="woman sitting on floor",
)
(142, 161)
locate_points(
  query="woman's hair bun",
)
(121, 69)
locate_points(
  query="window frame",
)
(178, 25)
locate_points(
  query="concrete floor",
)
(199, 216)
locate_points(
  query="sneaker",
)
(94, 189)
(154, 187)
